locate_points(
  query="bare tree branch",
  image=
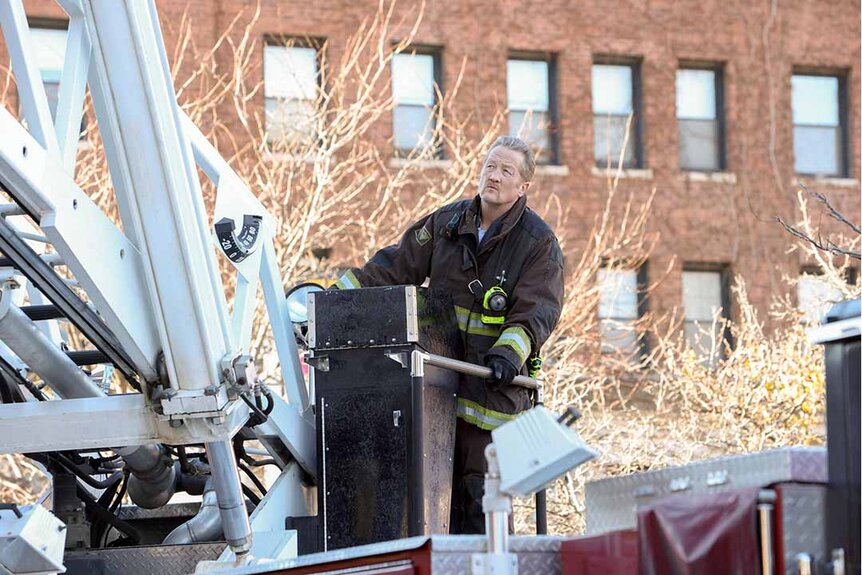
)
(833, 213)
(827, 247)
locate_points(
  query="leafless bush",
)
(766, 390)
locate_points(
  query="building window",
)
(291, 79)
(49, 46)
(615, 100)
(621, 305)
(699, 117)
(532, 102)
(706, 302)
(414, 77)
(819, 120)
(815, 295)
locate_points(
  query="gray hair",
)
(528, 166)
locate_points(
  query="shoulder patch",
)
(423, 236)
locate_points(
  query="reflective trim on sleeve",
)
(517, 340)
(348, 281)
(472, 323)
(482, 417)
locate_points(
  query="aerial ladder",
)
(154, 307)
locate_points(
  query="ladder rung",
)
(11, 210)
(57, 290)
(53, 259)
(88, 357)
(42, 312)
(33, 237)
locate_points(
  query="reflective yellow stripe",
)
(348, 281)
(472, 323)
(515, 338)
(482, 417)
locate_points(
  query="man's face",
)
(500, 182)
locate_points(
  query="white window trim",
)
(813, 181)
(625, 173)
(552, 170)
(439, 164)
(718, 177)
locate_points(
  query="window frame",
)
(636, 65)
(550, 58)
(720, 114)
(725, 275)
(436, 53)
(844, 158)
(317, 43)
(642, 347)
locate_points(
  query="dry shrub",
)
(766, 390)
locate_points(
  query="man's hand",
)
(502, 371)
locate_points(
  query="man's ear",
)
(523, 189)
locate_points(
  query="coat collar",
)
(470, 221)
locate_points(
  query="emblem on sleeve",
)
(423, 236)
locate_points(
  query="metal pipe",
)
(474, 370)
(205, 526)
(234, 518)
(803, 562)
(153, 479)
(28, 342)
(765, 504)
(497, 527)
(496, 505)
(541, 512)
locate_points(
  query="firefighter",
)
(503, 267)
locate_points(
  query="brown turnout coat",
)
(519, 253)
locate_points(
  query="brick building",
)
(731, 104)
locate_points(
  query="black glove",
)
(502, 371)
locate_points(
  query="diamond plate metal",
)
(161, 559)
(803, 526)
(612, 503)
(174, 510)
(537, 555)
